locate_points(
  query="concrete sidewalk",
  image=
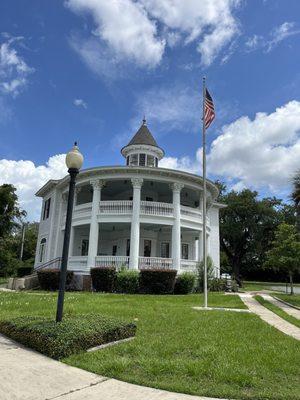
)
(294, 312)
(28, 375)
(270, 317)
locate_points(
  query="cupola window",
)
(142, 160)
(150, 161)
(134, 159)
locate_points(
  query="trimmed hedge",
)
(157, 281)
(127, 281)
(23, 271)
(185, 283)
(72, 335)
(103, 279)
(49, 278)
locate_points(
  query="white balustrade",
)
(112, 261)
(188, 265)
(190, 212)
(155, 262)
(156, 208)
(77, 263)
(115, 207)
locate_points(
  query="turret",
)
(142, 150)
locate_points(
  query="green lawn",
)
(209, 353)
(255, 286)
(292, 299)
(278, 311)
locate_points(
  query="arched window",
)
(42, 250)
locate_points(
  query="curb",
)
(286, 303)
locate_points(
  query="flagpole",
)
(204, 197)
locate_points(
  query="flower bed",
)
(72, 335)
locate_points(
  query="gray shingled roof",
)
(143, 136)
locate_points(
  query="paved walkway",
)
(285, 307)
(269, 317)
(28, 375)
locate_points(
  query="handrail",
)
(48, 263)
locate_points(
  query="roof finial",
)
(144, 120)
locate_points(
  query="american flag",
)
(209, 109)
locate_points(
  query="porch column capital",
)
(97, 183)
(177, 187)
(137, 183)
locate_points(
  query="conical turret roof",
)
(143, 136)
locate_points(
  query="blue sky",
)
(88, 70)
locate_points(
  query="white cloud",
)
(262, 153)
(276, 36)
(170, 108)
(282, 32)
(139, 30)
(28, 178)
(14, 71)
(254, 42)
(80, 103)
(125, 27)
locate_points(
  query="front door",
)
(147, 248)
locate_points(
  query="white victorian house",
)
(138, 215)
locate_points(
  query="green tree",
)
(10, 219)
(30, 239)
(10, 212)
(285, 252)
(247, 227)
(296, 198)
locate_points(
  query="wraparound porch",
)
(79, 263)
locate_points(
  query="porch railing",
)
(115, 207)
(156, 208)
(190, 212)
(109, 261)
(77, 263)
(155, 262)
(188, 265)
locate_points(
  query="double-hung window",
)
(46, 211)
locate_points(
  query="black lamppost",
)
(74, 160)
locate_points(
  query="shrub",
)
(217, 285)
(157, 281)
(234, 286)
(185, 283)
(49, 278)
(103, 279)
(23, 271)
(73, 334)
(200, 273)
(127, 281)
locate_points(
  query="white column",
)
(94, 227)
(135, 224)
(62, 206)
(71, 245)
(176, 230)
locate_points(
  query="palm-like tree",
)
(296, 198)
